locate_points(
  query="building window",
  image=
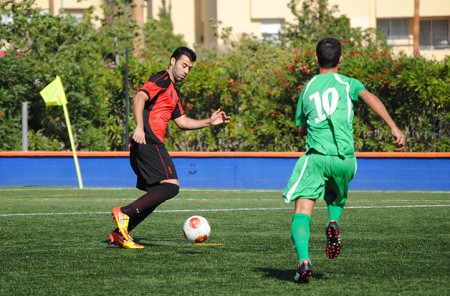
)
(394, 29)
(434, 34)
(270, 30)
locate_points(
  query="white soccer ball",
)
(196, 229)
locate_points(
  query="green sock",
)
(334, 212)
(300, 235)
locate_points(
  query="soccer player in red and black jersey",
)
(154, 105)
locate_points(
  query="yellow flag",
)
(53, 94)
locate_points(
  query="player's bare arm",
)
(218, 117)
(378, 107)
(138, 110)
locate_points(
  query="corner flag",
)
(54, 95)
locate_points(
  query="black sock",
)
(146, 204)
(137, 219)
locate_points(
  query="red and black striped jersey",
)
(163, 105)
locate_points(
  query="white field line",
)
(6, 189)
(224, 210)
(181, 199)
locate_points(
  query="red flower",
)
(304, 69)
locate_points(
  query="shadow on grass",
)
(285, 275)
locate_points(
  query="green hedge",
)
(257, 83)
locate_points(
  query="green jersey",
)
(325, 109)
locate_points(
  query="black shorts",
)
(151, 163)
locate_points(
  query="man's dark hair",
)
(328, 52)
(184, 51)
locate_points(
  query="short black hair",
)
(328, 52)
(184, 51)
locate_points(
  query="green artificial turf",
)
(54, 242)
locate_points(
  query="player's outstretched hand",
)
(400, 138)
(219, 117)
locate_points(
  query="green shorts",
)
(314, 174)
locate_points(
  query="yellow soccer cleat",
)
(121, 220)
(118, 240)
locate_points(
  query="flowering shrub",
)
(257, 83)
(259, 88)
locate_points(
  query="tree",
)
(258, 83)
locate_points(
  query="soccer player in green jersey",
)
(325, 115)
